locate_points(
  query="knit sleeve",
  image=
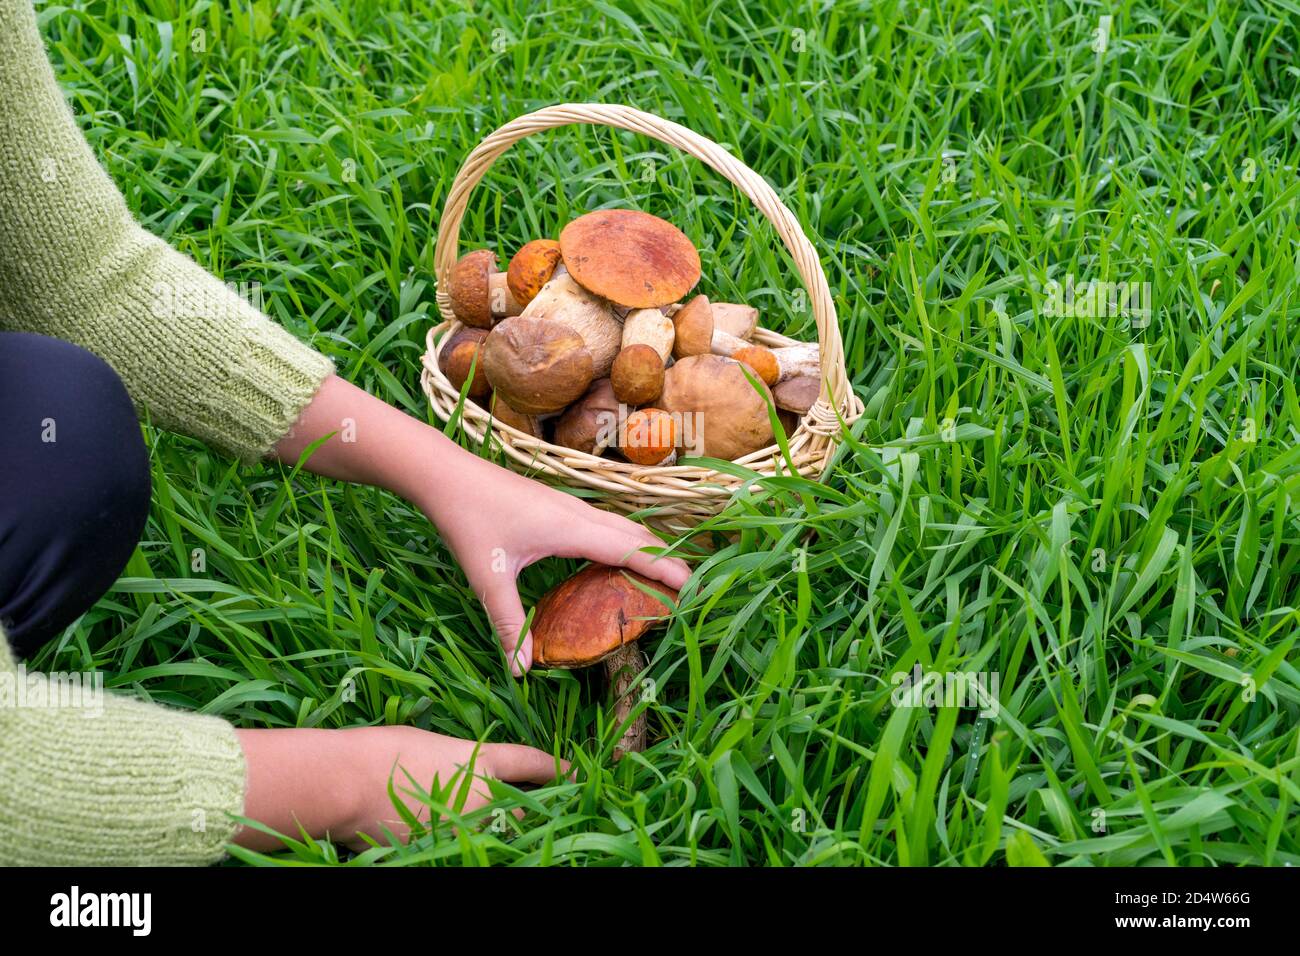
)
(91, 778)
(75, 265)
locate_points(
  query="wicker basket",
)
(680, 496)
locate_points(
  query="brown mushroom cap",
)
(503, 413)
(583, 620)
(531, 268)
(761, 360)
(470, 298)
(630, 257)
(637, 375)
(591, 424)
(649, 436)
(797, 394)
(727, 415)
(456, 357)
(693, 328)
(738, 320)
(537, 365)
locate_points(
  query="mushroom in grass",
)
(649, 437)
(637, 375)
(537, 366)
(695, 334)
(591, 424)
(797, 394)
(563, 300)
(531, 268)
(630, 257)
(711, 395)
(457, 356)
(595, 617)
(781, 364)
(503, 413)
(479, 293)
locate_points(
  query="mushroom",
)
(630, 257)
(538, 366)
(694, 332)
(503, 413)
(788, 419)
(649, 438)
(729, 414)
(761, 360)
(734, 319)
(649, 327)
(780, 364)
(797, 394)
(597, 616)
(479, 292)
(531, 268)
(563, 300)
(591, 424)
(637, 375)
(457, 356)
(638, 370)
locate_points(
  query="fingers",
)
(507, 615)
(673, 572)
(516, 763)
(623, 550)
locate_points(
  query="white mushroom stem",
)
(501, 303)
(793, 361)
(622, 668)
(724, 343)
(649, 327)
(563, 300)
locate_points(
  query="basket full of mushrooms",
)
(594, 358)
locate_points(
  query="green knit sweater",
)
(131, 782)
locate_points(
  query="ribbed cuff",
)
(112, 781)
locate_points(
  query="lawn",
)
(1095, 510)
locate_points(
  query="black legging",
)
(74, 485)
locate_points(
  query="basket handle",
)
(706, 151)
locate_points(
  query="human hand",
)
(497, 523)
(414, 758)
(334, 783)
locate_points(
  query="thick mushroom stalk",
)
(563, 300)
(782, 364)
(621, 670)
(649, 327)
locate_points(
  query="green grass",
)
(1070, 503)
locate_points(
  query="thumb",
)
(507, 615)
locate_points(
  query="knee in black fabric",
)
(74, 489)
